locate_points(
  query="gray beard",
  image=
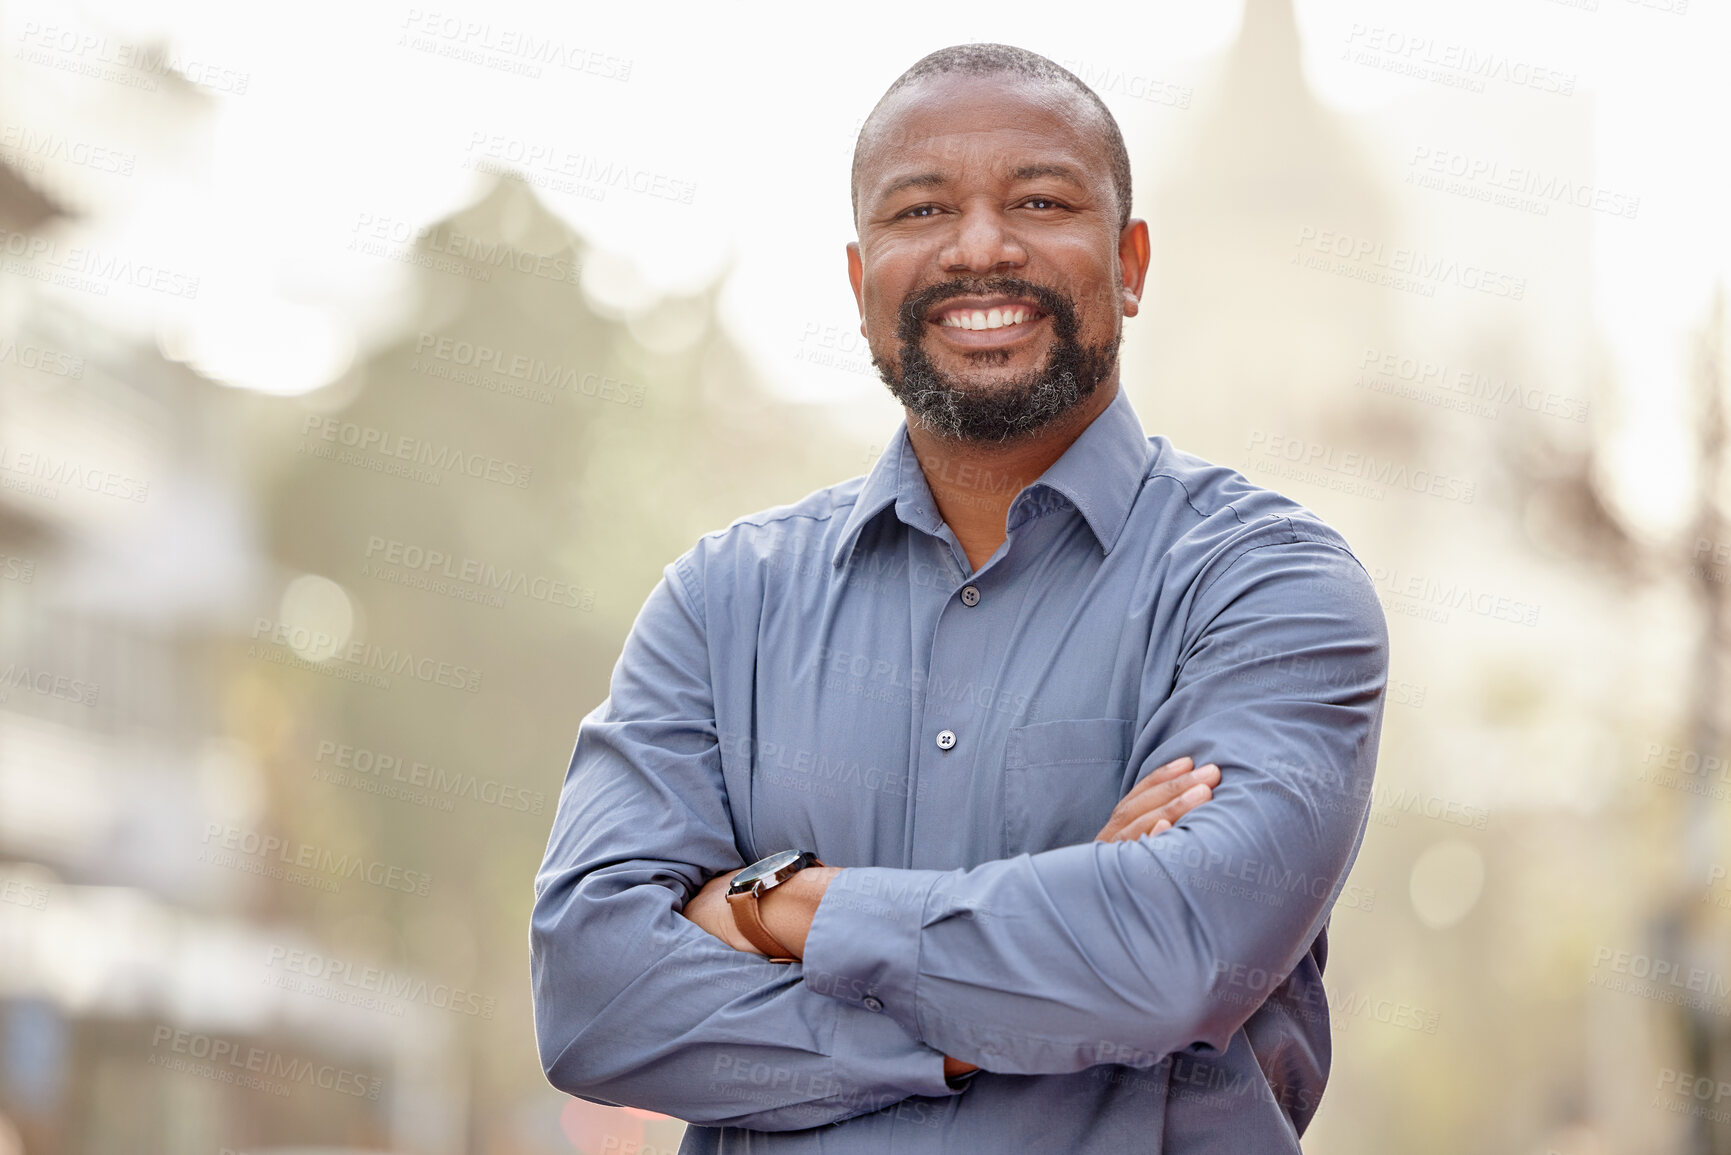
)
(1003, 411)
(1006, 410)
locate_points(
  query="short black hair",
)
(997, 59)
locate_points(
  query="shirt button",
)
(871, 1004)
(946, 739)
(970, 595)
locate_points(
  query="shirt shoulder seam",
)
(1161, 475)
(787, 513)
(1295, 535)
(695, 604)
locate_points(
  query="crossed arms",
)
(1152, 806)
(1120, 950)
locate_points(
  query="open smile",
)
(986, 323)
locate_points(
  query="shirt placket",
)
(952, 728)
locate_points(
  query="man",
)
(1048, 746)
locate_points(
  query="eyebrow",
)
(1025, 172)
(1030, 171)
(920, 180)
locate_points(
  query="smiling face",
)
(991, 272)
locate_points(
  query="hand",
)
(1156, 803)
(708, 909)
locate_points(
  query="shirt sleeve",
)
(634, 1004)
(1125, 952)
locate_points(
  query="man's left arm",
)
(1126, 951)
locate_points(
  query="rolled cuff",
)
(873, 1051)
(863, 947)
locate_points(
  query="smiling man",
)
(997, 800)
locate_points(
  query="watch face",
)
(763, 868)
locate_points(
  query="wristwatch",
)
(751, 884)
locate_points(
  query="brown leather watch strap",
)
(750, 922)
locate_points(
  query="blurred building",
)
(144, 1001)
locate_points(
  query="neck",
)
(974, 483)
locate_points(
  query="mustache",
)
(911, 318)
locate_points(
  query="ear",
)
(855, 276)
(1133, 255)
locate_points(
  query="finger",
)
(1134, 806)
(1169, 814)
(1154, 791)
(1160, 827)
(1173, 769)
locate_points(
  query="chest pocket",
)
(1061, 780)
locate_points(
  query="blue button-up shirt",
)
(834, 676)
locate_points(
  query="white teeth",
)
(984, 319)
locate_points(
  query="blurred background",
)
(362, 365)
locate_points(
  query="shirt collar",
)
(1100, 473)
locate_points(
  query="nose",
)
(982, 241)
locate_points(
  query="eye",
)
(1041, 202)
(917, 212)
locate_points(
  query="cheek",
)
(1099, 302)
(882, 314)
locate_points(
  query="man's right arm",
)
(637, 1006)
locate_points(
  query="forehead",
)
(953, 122)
